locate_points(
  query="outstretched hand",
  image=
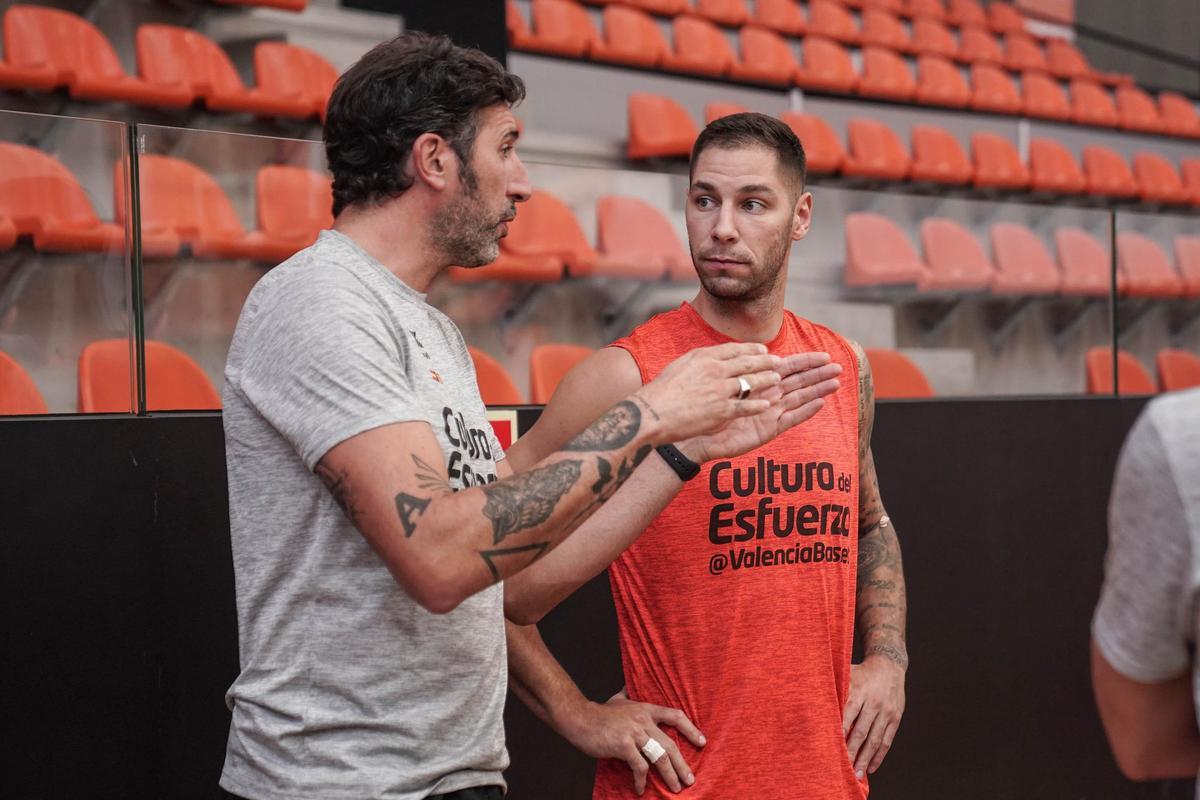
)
(807, 378)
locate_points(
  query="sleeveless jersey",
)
(737, 603)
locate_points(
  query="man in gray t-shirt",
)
(1144, 665)
(372, 514)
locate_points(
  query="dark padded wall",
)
(119, 634)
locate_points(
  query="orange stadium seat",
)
(830, 19)
(890, 6)
(1132, 376)
(1091, 104)
(1107, 173)
(1187, 259)
(700, 48)
(1065, 61)
(932, 38)
(1178, 115)
(878, 253)
(1022, 52)
(766, 58)
(1158, 180)
(666, 8)
(724, 12)
(548, 365)
(659, 126)
(997, 163)
(8, 233)
(495, 387)
(1084, 263)
(933, 9)
(174, 382)
(783, 16)
(637, 237)
(956, 260)
(885, 74)
(560, 27)
(545, 227)
(181, 203)
(884, 29)
(939, 83)
(41, 199)
(515, 25)
(1042, 96)
(1137, 111)
(1052, 168)
(823, 150)
(18, 393)
(1004, 17)
(172, 57)
(895, 376)
(289, 72)
(1189, 171)
(979, 45)
(717, 109)
(826, 66)
(39, 41)
(283, 5)
(294, 204)
(993, 90)
(1177, 370)
(630, 37)
(964, 13)
(875, 152)
(1023, 264)
(1146, 268)
(937, 156)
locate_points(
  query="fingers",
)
(672, 768)
(680, 722)
(744, 365)
(850, 713)
(798, 397)
(757, 381)
(889, 735)
(799, 362)
(800, 380)
(870, 744)
(637, 762)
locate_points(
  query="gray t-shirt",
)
(1149, 610)
(348, 688)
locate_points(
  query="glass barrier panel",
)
(1158, 307)
(66, 328)
(218, 210)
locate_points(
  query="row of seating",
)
(879, 253)
(46, 49)
(563, 27)
(661, 127)
(1177, 370)
(789, 17)
(181, 206)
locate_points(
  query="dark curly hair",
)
(752, 129)
(401, 89)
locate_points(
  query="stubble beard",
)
(464, 229)
(758, 285)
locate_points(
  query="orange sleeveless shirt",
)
(737, 603)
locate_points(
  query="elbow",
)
(438, 591)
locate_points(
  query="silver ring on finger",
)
(652, 750)
(743, 388)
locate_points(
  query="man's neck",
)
(744, 320)
(396, 234)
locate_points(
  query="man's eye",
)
(754, 205)
(704, 202)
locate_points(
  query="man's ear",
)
(802, 218)
(431, 161)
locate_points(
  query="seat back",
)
(172, 56)
(1043, 96)
(1107, 172)
(997, 161)
(979, 45)
(784, 16)
(174, 381)
(724, 12)
(35, 36)
(934, 9)
(872, 142)
(1189, 174)
(766, 51)
(1092, 104)
(701, 41)
(1178, 114)
(1052, 167)
(1137, 110)
(1022, 52)
(827, 62)
(885, 73)
(548, 364)
(565, 24)
(879, 252)
(1065, 60)
(938, 152)
(822, 148)
(717, 109)
(495, 386)
(633, 230)
(18, 393)
(934, 38)
(1004, 17)
(36, 189)
(293, 203)
(667, 8)
(288, 70)
(659, 125)
(178, 196)
(954, 255)
(1177, 370)
(1083, 261)
(993, 90)
(880, 27)
(1144, 264)
(966, 13)
(895, 376)
(545, 226)
(1152, 170)
(828, 18)
(939, 81)
(1020, 255)
(633, 34)
(1132, 376)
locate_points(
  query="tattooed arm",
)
(443, 546)
(876, 700)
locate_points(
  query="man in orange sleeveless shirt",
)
(736, 606)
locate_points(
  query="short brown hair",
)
(751, 129)
(401, 89)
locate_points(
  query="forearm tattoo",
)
(527, 500)
(613, 430)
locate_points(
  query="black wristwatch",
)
(684, 467)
